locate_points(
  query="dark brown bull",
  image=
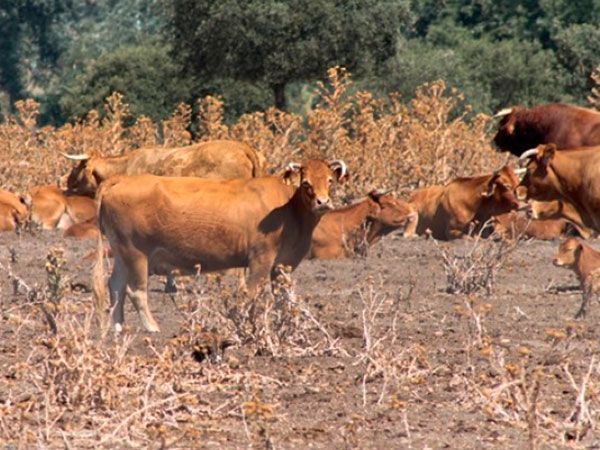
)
(565, 126)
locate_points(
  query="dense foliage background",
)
(71, 54)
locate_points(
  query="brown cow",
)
(585, 262)
(83, 230)
(559, 210)
(512, 226)
(159, 224)
(213, 159)
(426, 201)
(375, 216)
(465, 204)
(53, 208)
(571, 176)
(13, 211)
(566, 126)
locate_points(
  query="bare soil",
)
(440, 378)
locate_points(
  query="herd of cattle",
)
(212, 207)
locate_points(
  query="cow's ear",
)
(491, 187)
(340, 169)
(291, 170)
(546, 154)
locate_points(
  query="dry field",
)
(418, 344)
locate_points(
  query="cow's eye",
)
(330, 180)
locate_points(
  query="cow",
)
(212, 159)
(585, 262)
(426, 202)
(559, 210)
(565, 126)
(13, 211)
(465, 205)
(83, 230)
(367, 220)
(53, 208)
(159, 224)
(511, 226)
(571, 176)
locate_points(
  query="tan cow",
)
(512, 226)
(13, 211)
(53, 208)
(571, 176)
(369, 220)
(83, 230)
(212, 159)
(585, 262)
(426, 201)
(159, 224)
(464, 205)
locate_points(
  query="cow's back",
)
(220, 159)
(212, 222)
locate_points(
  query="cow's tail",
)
(258, 162)
(98, 274)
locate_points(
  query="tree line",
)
(71, 54)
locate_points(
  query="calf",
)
(585, 262)
(512, 226)
(53, 208)
(13, 211)
(375, 216)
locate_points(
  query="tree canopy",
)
(67, 54)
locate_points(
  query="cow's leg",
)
(116, 286)
(241, 274)
(137, 289)
(585, 299)
(170, 285)
(259, 270)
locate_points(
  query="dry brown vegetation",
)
(356, 373)
(385, 142)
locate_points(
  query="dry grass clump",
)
(594, 97)
(473, 269)
(386, 143)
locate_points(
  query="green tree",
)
(280, 41)
(578, 50)
(147, 76)
(492, 74)
(27, 38)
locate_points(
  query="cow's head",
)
(82, 179)
(499, 193)
(568, 252)
(539, 181)
(510, 137)
(389, 214)
(315, 180)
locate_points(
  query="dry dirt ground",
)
(374, 353)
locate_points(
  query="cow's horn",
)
(503, 112)
(528, 154)
(342, 166)
(293, 166)
(80, 157)
(380, 192)
(520, 171)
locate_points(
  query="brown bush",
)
(385, 143)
